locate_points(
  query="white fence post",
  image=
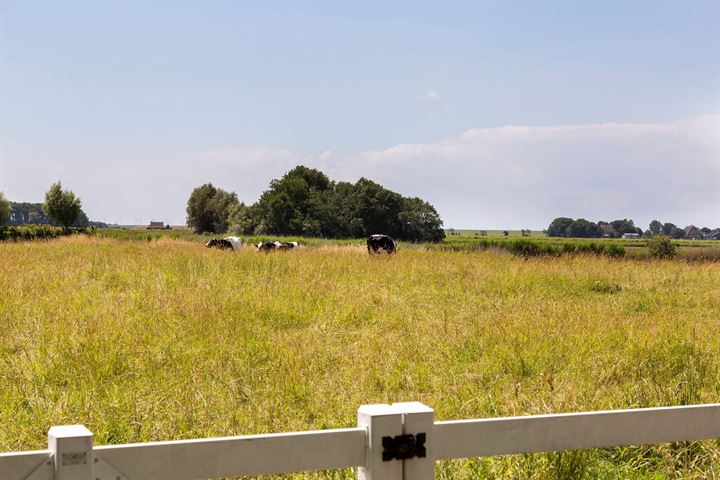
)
(399, 442)
(418, 420)
(72, 450)
(380, 421)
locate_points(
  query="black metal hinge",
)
(403, 447)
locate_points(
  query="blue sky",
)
(132, 104)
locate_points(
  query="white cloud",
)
(505, 177)
(521, 175)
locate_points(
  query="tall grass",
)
(166, 340)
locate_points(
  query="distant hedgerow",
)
(526, 247)
(39, 232)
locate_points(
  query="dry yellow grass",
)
(165, 339)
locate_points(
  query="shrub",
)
(525, 248)
(569, 248)
(661, 247)
(529, 248)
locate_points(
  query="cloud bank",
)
(505, 177)
(520, 175)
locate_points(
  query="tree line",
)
(581, 228)
(305, 202)
(61, 208)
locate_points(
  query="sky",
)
(500, 114)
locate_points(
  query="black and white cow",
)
(227, 243)
(379, 243)
(282, 246)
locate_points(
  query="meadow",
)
(164, 339)
(461, 240)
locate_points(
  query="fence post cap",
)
(66, 431)
(377, 409)
(412, 407)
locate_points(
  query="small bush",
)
(661, 247)
(603, 286)
(525, 248)
(583, 248)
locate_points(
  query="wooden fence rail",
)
(391, 442)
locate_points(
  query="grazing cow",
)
(227, 243)
(282, 246)
(378, 243)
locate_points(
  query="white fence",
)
(391, 442)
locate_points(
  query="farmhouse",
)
(158, 226)
(693, 233)
(631, 235)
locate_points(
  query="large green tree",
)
(306, 202)
(668, 228)
(293, 204)
(673, 231)
(567, 227)
(625, 226)
(244, 220)
(62, 205)
(4, 209)
(559, 227)
(582, 228)
(209, 209)
(656, 227)
(420, 221)
(377, 208)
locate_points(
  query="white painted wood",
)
(418, 418)
(570, 431)
(20, 465)
(72, 456)
(103, 470)
(238, 456)
(72, 448)
(379, 420)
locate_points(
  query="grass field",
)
(464, 240)
(165, 339)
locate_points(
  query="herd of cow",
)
(375, 244)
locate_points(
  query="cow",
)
(281, 246)
(227, 243)
(378, 243)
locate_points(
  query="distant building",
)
(713, 235)
(693, 233)
(608, 231)
(158, 226)
(631, 235)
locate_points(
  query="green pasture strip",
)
(455, 232)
